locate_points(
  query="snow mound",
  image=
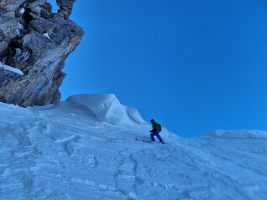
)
(240, 134)
(106, 108)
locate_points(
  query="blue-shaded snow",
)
(65, 152)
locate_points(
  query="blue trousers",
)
(156, 133)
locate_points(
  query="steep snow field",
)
(86, 149)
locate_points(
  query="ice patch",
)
(20, 26)
(22, 10)
(47, 35)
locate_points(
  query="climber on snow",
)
(156, 128)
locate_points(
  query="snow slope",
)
(85, 149)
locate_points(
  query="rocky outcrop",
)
(65, 7)
(35, 41)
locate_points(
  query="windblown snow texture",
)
(85, 148)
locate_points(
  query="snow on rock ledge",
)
(11, 69)
(106, 108)
(241, 134)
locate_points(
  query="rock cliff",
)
(35, 41)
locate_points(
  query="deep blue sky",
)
(195, 66)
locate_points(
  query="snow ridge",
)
(245, 134)
(107, 108)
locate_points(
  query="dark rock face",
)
(37, 42)
(65, 7)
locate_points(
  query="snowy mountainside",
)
(85, 148)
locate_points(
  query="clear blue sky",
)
(195, 66)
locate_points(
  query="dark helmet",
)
(152, 121)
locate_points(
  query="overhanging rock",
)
(35, 41)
